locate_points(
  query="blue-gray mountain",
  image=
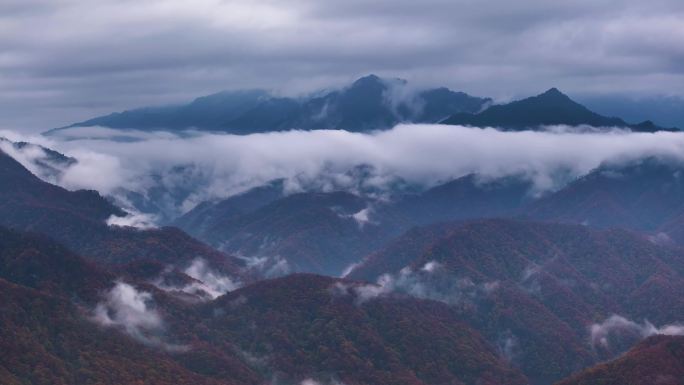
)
(326, 232)
(550, 108)
(666, 111)
(369, 103)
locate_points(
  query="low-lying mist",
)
(180, 170)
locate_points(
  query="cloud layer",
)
(90, 58)
(179, 171)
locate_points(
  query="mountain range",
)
(477, 280)
(547, 109)
(327, 232)
(370, 103)
(645, 195)
(498, 294)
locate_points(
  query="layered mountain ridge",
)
(547, 109)
(475, 281)
(370, 103)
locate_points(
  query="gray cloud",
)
(66, 60)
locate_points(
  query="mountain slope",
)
(47, 340)
(208, 215)
(285, 330)
(49, 331)
(208, 112)
(49, 163)
(549, 108)
(78, 220)
(657, 360)
(313, 232)
(326, 232)
(666, 111)
(468, 197)
(305, 326)
(536, 287)
(37, 262)
(93, 319)
(29, 203)
(645, 195)
(370, 103)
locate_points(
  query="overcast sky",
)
(67, 60)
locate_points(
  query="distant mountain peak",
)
(368, 80)
(549, 108)
(373, 80)
(647, 125)
(553, 91)
(554, 94)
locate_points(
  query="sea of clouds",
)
(186, 168)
